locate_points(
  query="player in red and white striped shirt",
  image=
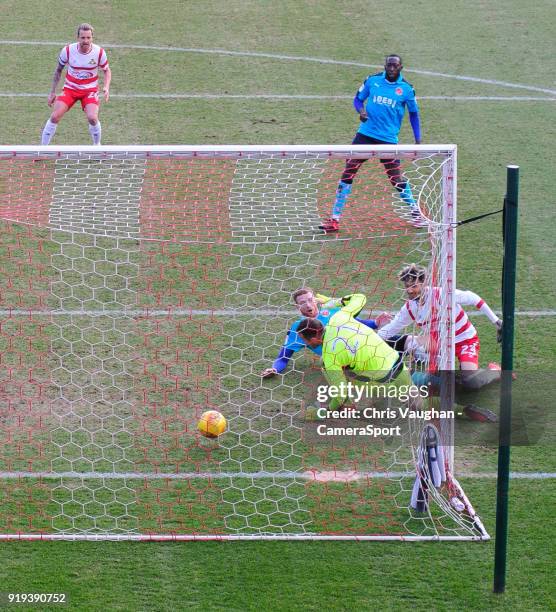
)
(82, 61)
(419, 310)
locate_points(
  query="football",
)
(212, 424)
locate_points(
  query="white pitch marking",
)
(307, 475)
(488, 98)
(186, 312)
(209, 96)
(187, 475)
(298, 58)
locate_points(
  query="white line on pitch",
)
(188, 475)
(307, 475)
(278, 56)
(488, 98)
(186, 312)
(273, 96)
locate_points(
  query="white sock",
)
(95, 131)
(48, 131)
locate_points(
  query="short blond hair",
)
(301, 291)
(85, 26)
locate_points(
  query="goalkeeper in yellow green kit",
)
(349, 347)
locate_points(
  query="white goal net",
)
(142, 286)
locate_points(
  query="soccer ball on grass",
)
(211, 424)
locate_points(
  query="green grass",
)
(489, 40)
(301, 576)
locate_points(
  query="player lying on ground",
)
(417, 311)
(351, 347)
(381, 102)
(319, 307)
(82, 60)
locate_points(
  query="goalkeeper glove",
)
(324, 300)
(358, 296)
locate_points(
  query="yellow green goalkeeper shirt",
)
(352, 345)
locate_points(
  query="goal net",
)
(142, 286)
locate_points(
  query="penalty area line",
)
(308, 475)
(189, 312)
(274, 96)
(282, 57)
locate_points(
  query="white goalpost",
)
(143, 285)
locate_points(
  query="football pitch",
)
(270, 73)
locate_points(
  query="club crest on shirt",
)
(399, 91)
(325, 312)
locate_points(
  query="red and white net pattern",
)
(139, 291)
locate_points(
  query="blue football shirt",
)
(385, 106)
(295, 343)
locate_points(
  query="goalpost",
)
(143, 285)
